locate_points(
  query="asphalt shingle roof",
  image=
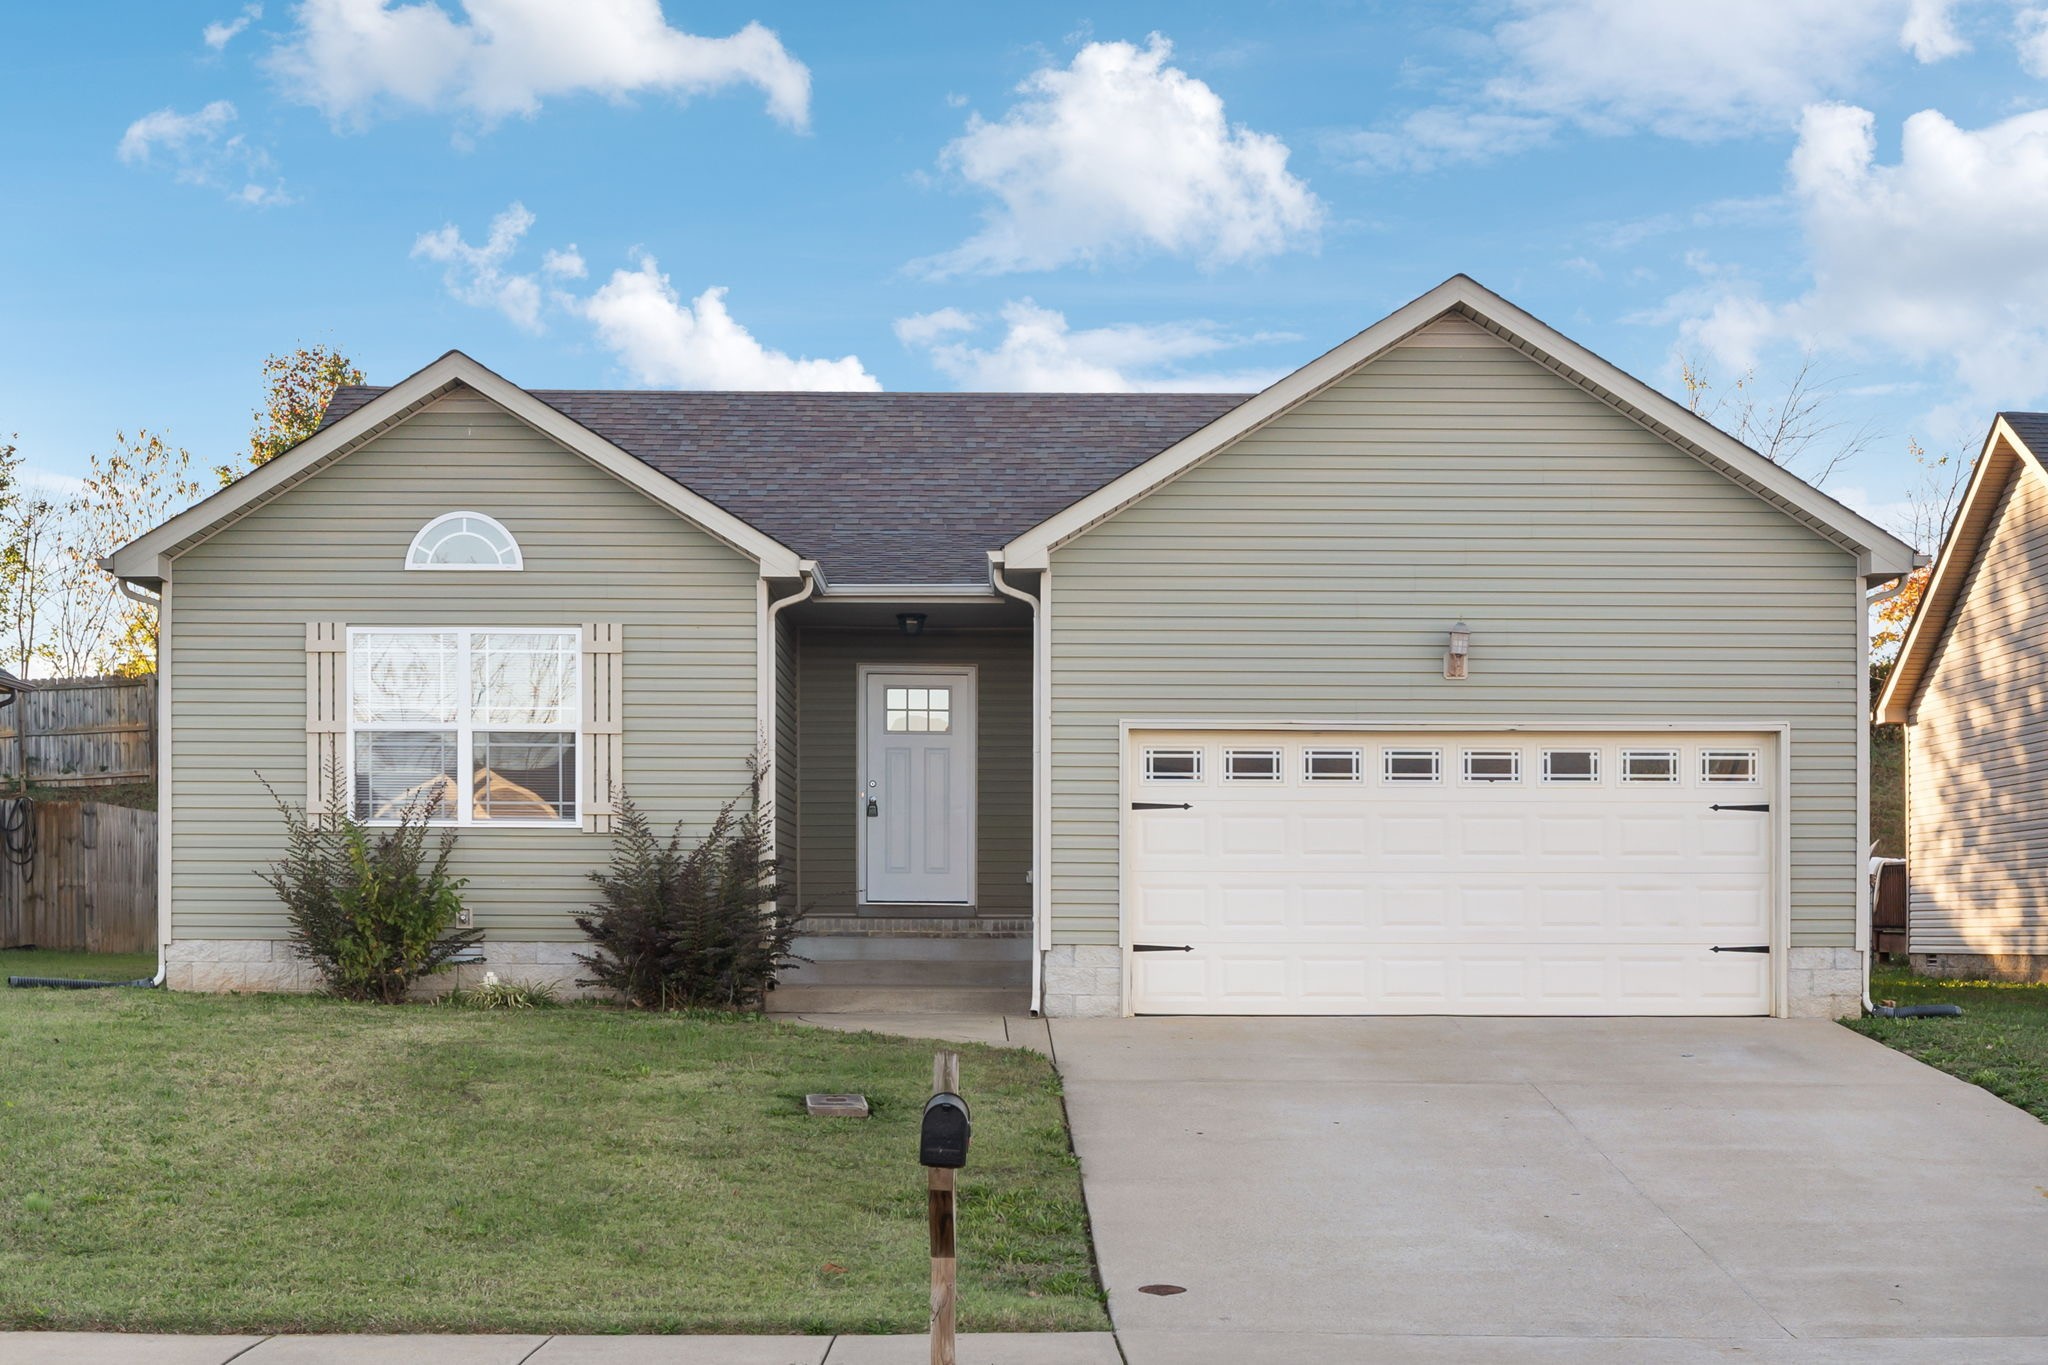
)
(884, 487)
(2031, 427)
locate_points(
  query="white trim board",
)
(148, 558)
(1880, 555)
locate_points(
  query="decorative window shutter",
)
(326, 720)
(604, 652)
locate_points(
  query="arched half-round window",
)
(463, 540)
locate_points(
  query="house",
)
(1971, 689)
(1456, 672)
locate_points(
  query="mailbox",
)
(943, 1140)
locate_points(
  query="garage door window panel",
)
(1333, 765)
(1413, 765)
(1658, 766)
(1493, 765)
(1173, 765)
(1728, 765)
(1251, 765)
(1580, 766)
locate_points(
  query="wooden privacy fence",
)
(81, 732)
(91, 886)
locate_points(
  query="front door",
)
(916, 805)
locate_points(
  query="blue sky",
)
(946, 196)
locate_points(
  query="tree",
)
(92, 626)
(298, 385)
(1930, 506)
(1785, 430)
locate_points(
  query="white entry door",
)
(1476, 873)
(916, 808)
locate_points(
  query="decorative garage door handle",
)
(1162, 947)
(1745, 948)
(1763, 806)
(1161, 805)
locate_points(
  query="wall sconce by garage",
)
(1456, 653)
(911, 621)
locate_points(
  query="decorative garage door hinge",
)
(1162, 947)
(1161, 805)
(1745, 948)
(1759, 806)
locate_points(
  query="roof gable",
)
(2008, 454)
(1447, 315)
(147, 559)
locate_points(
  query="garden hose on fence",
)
(18, 832)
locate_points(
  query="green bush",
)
(495, 994)
(367, 907)
(690, 927)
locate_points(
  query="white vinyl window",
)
(1333, 765)
(1413, 765)
(1571, 765)
(1251, 765)
(1493, 765)
(1728, 765)
(1173, 765)
(1649, 765)
(483, 723)
(464, 541)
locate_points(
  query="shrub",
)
(494, 994)
(367, 907)
(680, 927)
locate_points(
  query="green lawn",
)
(2000, 1043)
(77, 966)
(268, 1164)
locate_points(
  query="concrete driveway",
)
(1552, 1190)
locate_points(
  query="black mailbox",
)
(943, 1141)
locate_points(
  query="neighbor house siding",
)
(830, 665)
(1311, 571)
(1977, 842)
(332, 549)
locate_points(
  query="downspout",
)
(768, 672)
(1867, 894)
(1041, 739)
(133, 593)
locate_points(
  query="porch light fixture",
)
(1455, 654)
(911, 621)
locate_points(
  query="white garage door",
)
(1290, 873)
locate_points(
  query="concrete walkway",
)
(1439, 1190)
(107, 1348)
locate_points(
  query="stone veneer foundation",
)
(270, 965)
(1082, 981)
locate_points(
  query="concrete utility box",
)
(947, 1128)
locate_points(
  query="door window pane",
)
(918, 710)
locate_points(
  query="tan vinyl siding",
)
(1311, 571)
(830, 663)
(331, 550)
(1978, 810)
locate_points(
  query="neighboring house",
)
(1971, 689)
(1133, 702)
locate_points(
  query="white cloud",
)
(1678, 68)
(1929, 32)
(2030, 36)
(698, 345)
(1037, 352)
(564, 264)
(355, 58)
(1429, 138)
(476, 275)
(1120, 153)
(198, 149)
(1941, 258)
(221, 32)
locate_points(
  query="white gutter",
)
(1041, 768)
(766, 710)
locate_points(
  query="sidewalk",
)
(111, 1348)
